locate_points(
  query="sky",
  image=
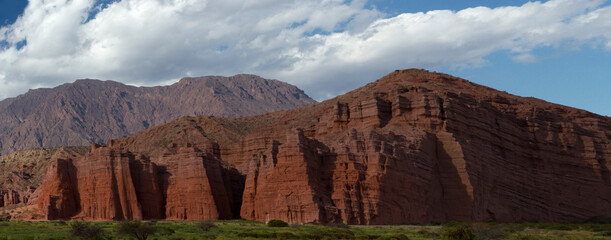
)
(556, 50)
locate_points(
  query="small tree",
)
(277, 223)
(460, 232)
(137, 229)
(85, 230)
(205, 225)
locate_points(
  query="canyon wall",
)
(413, 146)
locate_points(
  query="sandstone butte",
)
(414, 146)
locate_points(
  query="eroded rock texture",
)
(104, 184)
(413, 146)
(21, 173)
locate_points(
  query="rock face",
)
(413, 146)
(21, 173)
(111, 184)
(104, 184)
(87, 111)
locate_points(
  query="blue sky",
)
(558, 50)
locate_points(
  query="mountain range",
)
(413, 146)
(92, 111)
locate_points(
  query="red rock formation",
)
(60, 196)
(437, 148)
(21, 173)
(413, 146)
(195, 188)
(102, 185)
(113, 184)
(11, 197)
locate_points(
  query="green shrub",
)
(163, 230)
(277, 223)
(85, 230)
(394, 236)
(327, 233)
(210, 235)
(604, 234)
(256, 234)
(136, 229)
(485, 231)
(599, 219)
(461, 232)
(285, 235)
(340, 233)
(338, 225)
(523, 236)
(205, 225)
(427, 233)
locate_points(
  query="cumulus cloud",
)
(325, 47)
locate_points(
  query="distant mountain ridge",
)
(89, 111)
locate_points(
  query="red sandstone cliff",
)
(413, 146)
(21, 173)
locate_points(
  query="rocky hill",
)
(93, 111)
(414, 146)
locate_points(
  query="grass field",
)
(240, 229)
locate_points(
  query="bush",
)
(485, 231)
(427, 233)
(84, 230)
(524, 237)
(137, 229)
(163, 230)
(599, 220)
(285, 235)
(205, 225)
(394, 236)
(338, 225)
(461, 232)
(277, 223)
(210, 235)
(340, 233)
(327, 233)
(256, 234)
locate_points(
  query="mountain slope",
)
(414, 146)
(92, 111)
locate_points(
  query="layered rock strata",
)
(413, 146)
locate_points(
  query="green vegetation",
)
(461, 232)
(241, 229)
(206, 225)
(277, 223)
(85, 230)
(137, 229)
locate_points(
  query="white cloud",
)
(525, 58)
(326, 47)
